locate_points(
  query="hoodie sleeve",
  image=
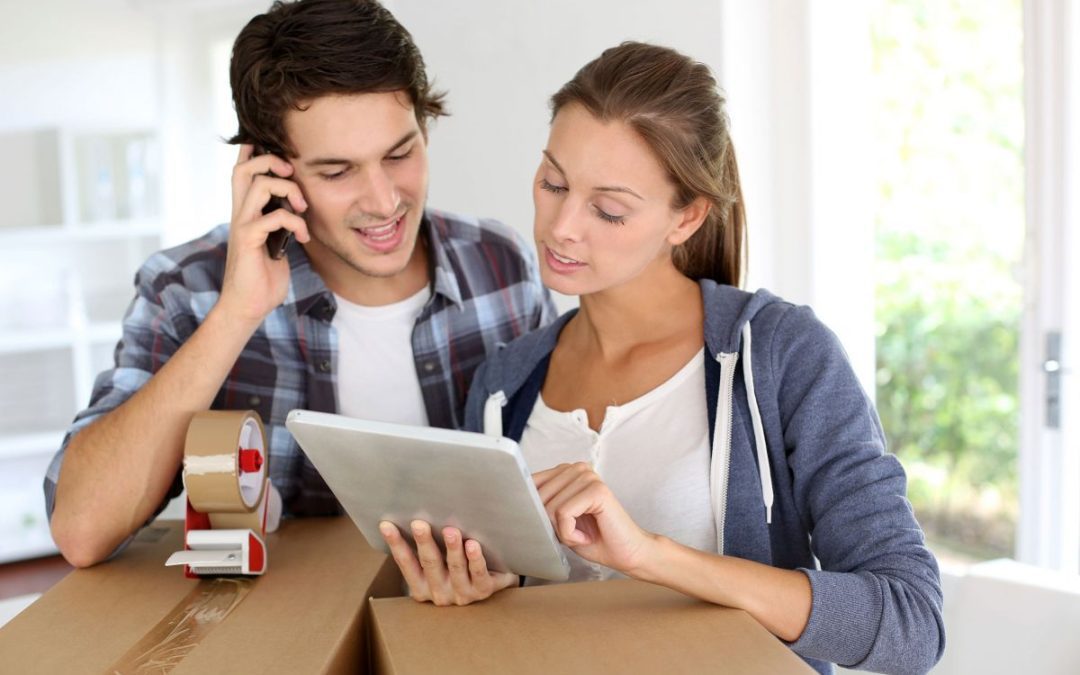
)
(877, 597)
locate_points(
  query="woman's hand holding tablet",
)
(461, 578)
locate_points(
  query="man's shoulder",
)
(455, 231)
(197, 265)
(483, 257)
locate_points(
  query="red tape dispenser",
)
(231, 504)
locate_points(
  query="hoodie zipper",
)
(721, 456)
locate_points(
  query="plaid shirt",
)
(486, 290)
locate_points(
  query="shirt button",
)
(254, 400)
(327, 312)
(429, 366)
(324, 365)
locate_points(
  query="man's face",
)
(363, 167)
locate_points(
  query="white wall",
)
(67, 62)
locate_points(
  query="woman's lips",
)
(560, 263)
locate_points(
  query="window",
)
(948, 110)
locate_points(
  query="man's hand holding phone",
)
(255, 283)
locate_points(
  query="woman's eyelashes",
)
(551, 187)
(607, 217)
(603, 215)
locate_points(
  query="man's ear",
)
(690, 218)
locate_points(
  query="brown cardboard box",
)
(305, 615)
(620, 626)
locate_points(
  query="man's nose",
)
(380, 196)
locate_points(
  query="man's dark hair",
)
(300, 51)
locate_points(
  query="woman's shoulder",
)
(774, 321)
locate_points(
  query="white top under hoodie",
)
(655, 445)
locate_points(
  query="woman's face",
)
(604, 213)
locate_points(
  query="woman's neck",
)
(659, 306)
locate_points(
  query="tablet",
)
(474, 482)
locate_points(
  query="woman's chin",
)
(558, 283)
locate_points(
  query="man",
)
(380, 308)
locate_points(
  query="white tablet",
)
(474, 482)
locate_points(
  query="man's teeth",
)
(562, 259)
(381, 232)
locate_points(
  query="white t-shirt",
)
(377, 377)
(653, 453)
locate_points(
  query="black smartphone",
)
(278, 240)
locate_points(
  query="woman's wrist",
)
(649, 562)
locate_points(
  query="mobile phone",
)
(278, 240)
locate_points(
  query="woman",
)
(686, 432)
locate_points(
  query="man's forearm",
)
(118, 470)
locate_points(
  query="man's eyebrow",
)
(335, 161)
(602, 188)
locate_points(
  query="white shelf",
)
(72, 234)
(31, 445)
(82, 212)
(37, 340)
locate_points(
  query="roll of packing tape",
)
(225, 462)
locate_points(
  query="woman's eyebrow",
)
(602, 188)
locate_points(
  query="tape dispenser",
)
(231, 504)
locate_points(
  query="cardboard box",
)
(305, 615)
(620, 626)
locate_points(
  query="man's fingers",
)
(264, 188)
(256, 232)
(250, 169)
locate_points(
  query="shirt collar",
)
(441, 270)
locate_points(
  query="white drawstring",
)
(493, 414)
(764, 473)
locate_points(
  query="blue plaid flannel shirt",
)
(486, 290)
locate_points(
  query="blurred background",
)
(909, 168)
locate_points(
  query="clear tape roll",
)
(218, 476)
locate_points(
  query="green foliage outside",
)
(948, 108)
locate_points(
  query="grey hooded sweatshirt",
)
(799, 475)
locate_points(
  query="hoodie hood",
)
(727, 312)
